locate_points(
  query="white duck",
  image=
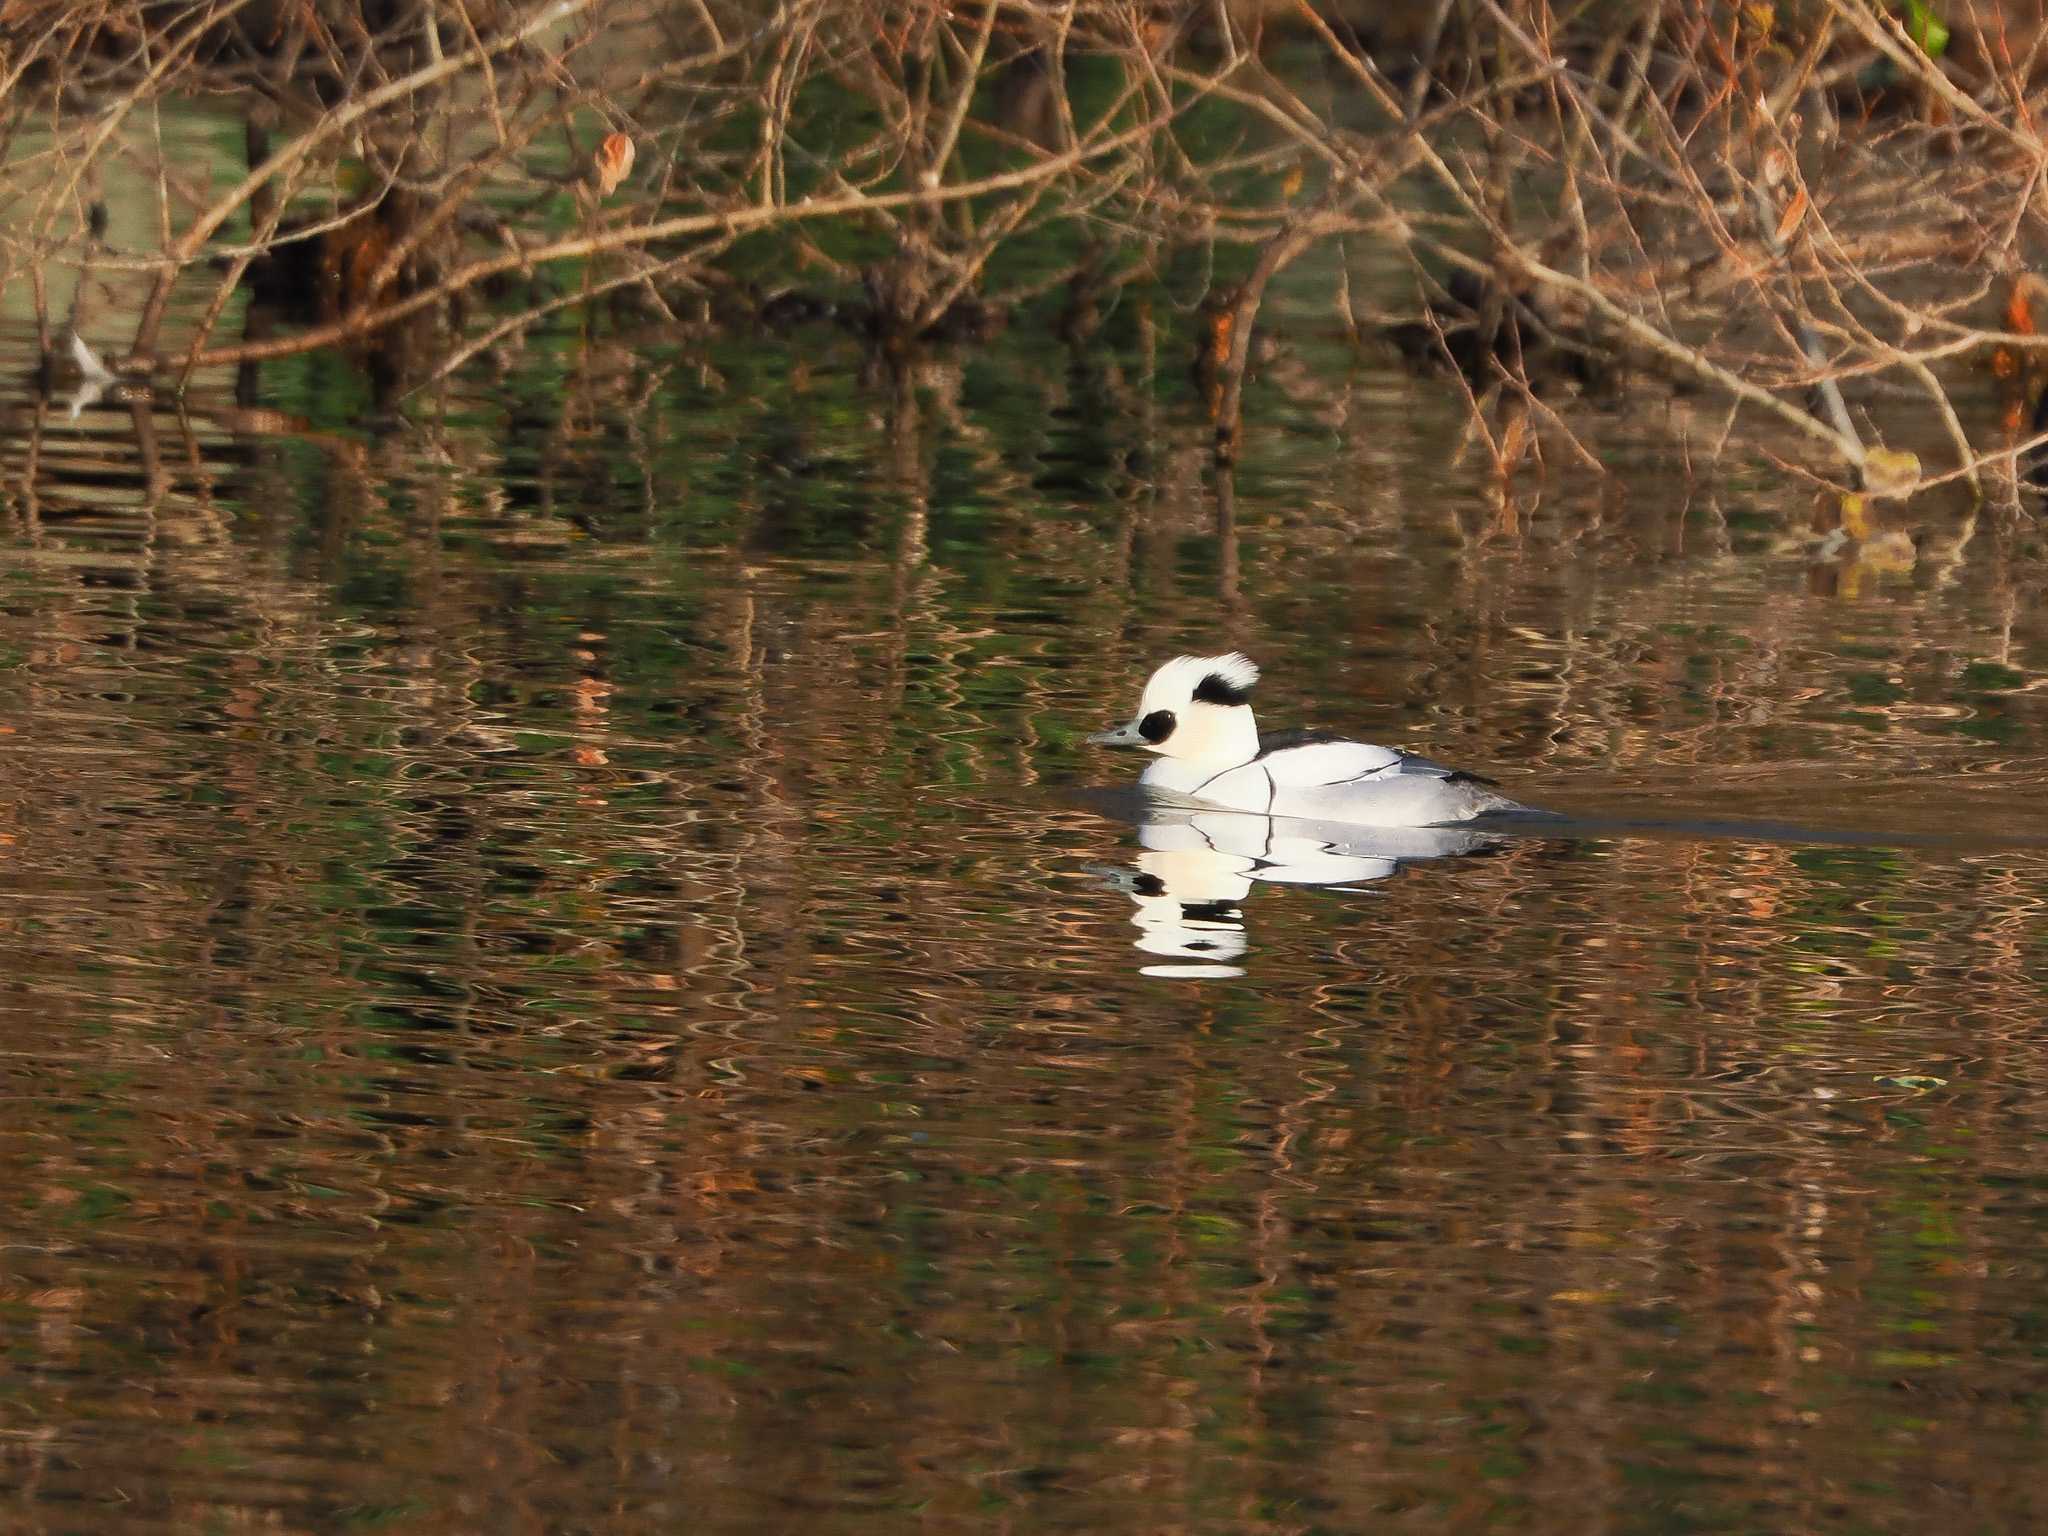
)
(1196, 714)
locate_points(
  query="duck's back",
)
(1316, 764)
(1348, 781)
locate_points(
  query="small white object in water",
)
(89, 364)
(95, 377)
(1196, 714)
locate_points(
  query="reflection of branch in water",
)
(111, 462)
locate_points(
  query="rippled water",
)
(565, 969)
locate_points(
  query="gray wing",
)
(1412, 763)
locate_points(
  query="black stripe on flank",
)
(1460, 776)
(1218, 689)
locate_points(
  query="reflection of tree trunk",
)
(906, 443)
(1226, 539)
(256, 325)
(1232, 337)
(256, 150)
(154, 481)
(31, 469)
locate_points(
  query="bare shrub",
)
(1810, 212)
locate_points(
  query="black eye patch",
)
(1157, 726)
(1218, 689)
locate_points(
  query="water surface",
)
(559, 974)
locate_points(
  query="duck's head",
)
(1197, 708)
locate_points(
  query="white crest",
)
(1174, 685)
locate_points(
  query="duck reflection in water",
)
(1199, 866)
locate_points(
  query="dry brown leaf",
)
(1794, 212)
(614, 163)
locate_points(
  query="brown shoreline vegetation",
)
(1816, 215)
